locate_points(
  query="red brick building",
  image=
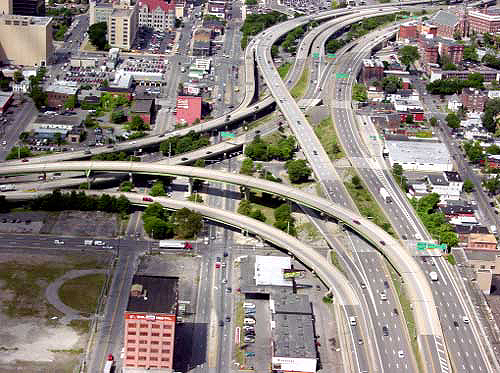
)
(188, 109)
(481, 241)
(150, 324)
(144, 107)
(447, 23)
(452, 49)
(484, 20)
(473, 99)
(428, 50)
(427, 28)
(372, 70)
(408, 31)
(417, 114)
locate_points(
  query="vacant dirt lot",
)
(82, 223)
(31, 338)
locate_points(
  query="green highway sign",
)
(228, 135)
(330, 55)
(315, 55)
(428, 245)
(404, 17)
(341, 76)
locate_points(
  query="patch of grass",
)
(283, 69)
(71, 351)
(310, 230)
(368, 207)
(300, 88)
(408, 315)
(82, 293)
(451, 259)
(239, 354)
(26, 283)
(424, 134)
(336, 262)
(258, 122)
(328, 299)
(80, 326)
(328, 138)
(266, 203)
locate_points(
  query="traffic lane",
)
(358, 349)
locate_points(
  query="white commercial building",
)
(269, 270)
(419, 155)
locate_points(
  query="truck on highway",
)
(433, 275)
(174, 244)
(88, 242)
(7, 187)
(385, 195)
(109, 364)
(493, 229)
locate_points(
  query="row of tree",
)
(452, 86)
(282, 149)
(159, 223)
(435, 221)
(58, 201)
(182, 144)
(256, 23)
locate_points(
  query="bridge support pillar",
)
(130, 177)
(245, 191)
(190, 185)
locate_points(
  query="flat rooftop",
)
(293, 336)
(283, 301)
(419, 152)
(31, 20)
(158, 294)
(269, 270)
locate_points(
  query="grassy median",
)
(283, 69)
(300, 88)
(328, 138)
(367, 205)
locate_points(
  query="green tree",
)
(158, 189)
(247, 167)
(491, 110)
(359, 92)
(258, 215)
(470, 54)
(157, 228)
(137, 124)
(468, 186)
(433, 121)
(187, 223)
(58, 138)
(409, 119)
(298, 170)
(71, 102)
(391, 84)
(126, 186)
(449, 238)
(453, 120)
(245, 207)
(356, 182)
(275, 51)
(18, 76)
(118, 116)
(408, 54)
(156, 210)
(473, 150)
(97, 35)
(199, 163)
(19, 152)
(492, 184)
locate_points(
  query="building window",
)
(142, 326)
(143, 350)
(155, 334)
(130, 349)
(167, 334)
(155, 342)
(165, 351)
(164, 359)
(131, 341)
(131, 332)
(132, 325)
(144, 333)
(153, 358)
(142, 342)
(168, 326)
(141, 358)
(154, 350)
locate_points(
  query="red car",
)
(25, 160)
(147, 199)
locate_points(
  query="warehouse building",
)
(419, 155)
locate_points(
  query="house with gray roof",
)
(447, 23)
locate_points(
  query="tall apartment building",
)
(454, 50)
(121, 18)
(157, 14)
(26, 40)
(372, 69)
(28, 7)
(150, 324)
(122, 27)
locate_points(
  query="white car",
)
(465, 319)
(401, 354)
(58, 242)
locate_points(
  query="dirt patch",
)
(82, 223)
(31, 338)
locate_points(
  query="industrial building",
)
(150, 324)
(28, 7)
(419, 155)
(188, 109)
(26, 40)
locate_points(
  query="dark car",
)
(385, 331)
(228, 319)
(226, 254)
(455, 323)
(221, 323)
(395, 312)
(386, 284)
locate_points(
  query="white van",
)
(248, 305)
(352, 321)
(248, 321)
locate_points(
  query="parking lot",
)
(85, 75)
(153, 41)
